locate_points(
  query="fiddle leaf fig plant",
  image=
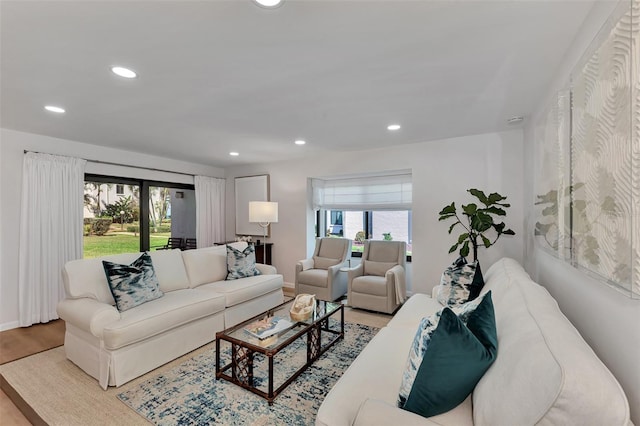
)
(480, 225)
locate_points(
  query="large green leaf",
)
(495, 210)
(499, 227)
(479, 195)
(448, 210)
(469, 209)
(453, 226)
(486, 241)
(464, 251)
(463, 237)
(453, 248)
(494, 197)
(481, 222)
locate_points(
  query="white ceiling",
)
(221, 76)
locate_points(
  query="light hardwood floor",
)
(21, 342)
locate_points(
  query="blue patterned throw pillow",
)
(134, 284)
(241, 264)
(460, 283)
(421, 342)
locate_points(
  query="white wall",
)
(442, 172)
(608, 320)
(12, 146)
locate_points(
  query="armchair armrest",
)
(376, 412)
(356, 271)
(88, 314)
(306, 264)
(266, 269)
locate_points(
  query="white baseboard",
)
(9, 325)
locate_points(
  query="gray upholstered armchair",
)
(320, 274)
(378, 283)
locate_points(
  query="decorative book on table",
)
(267, 327)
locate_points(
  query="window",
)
(117, 221)
(368, 225)
(374, 207)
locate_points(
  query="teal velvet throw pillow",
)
(456, 359)
(134, 284)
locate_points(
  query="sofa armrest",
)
(375, 412)
(266, 269)
(88, 314)
(305, 264)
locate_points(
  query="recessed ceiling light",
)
(300, 142)
(124, 72)
(53, 108)
(234, 154)
(515, 120)
(268, 3)
(393, 127)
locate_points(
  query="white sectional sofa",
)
(544, 374)
(116, 347)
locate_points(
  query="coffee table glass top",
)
(240, 332)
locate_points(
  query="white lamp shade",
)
(263, 212)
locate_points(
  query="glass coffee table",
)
(321, 332)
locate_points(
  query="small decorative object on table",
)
(303, 306)
(268, 326)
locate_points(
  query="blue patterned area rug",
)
(189, 394)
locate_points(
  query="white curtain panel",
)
(210, 207)
(50, 231)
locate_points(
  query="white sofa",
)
(544, 374)
(116, 347)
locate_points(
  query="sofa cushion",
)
(239, 291)
(414, 309)
(86, 278)
(545, 373)
(205, 265)
(241, 263)
(132, 284)
(170, 269)
(455, 360)
(174, 309)
(377, 268)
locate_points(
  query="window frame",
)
(367, 225)
(144, 185)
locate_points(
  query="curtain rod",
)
(119, 164)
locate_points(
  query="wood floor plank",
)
(24, 341)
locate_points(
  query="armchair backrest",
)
(380, 256)
(331, 251)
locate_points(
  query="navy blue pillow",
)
(456, 359)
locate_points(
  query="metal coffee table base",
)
(242, 356)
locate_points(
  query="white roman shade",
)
(380, 192)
